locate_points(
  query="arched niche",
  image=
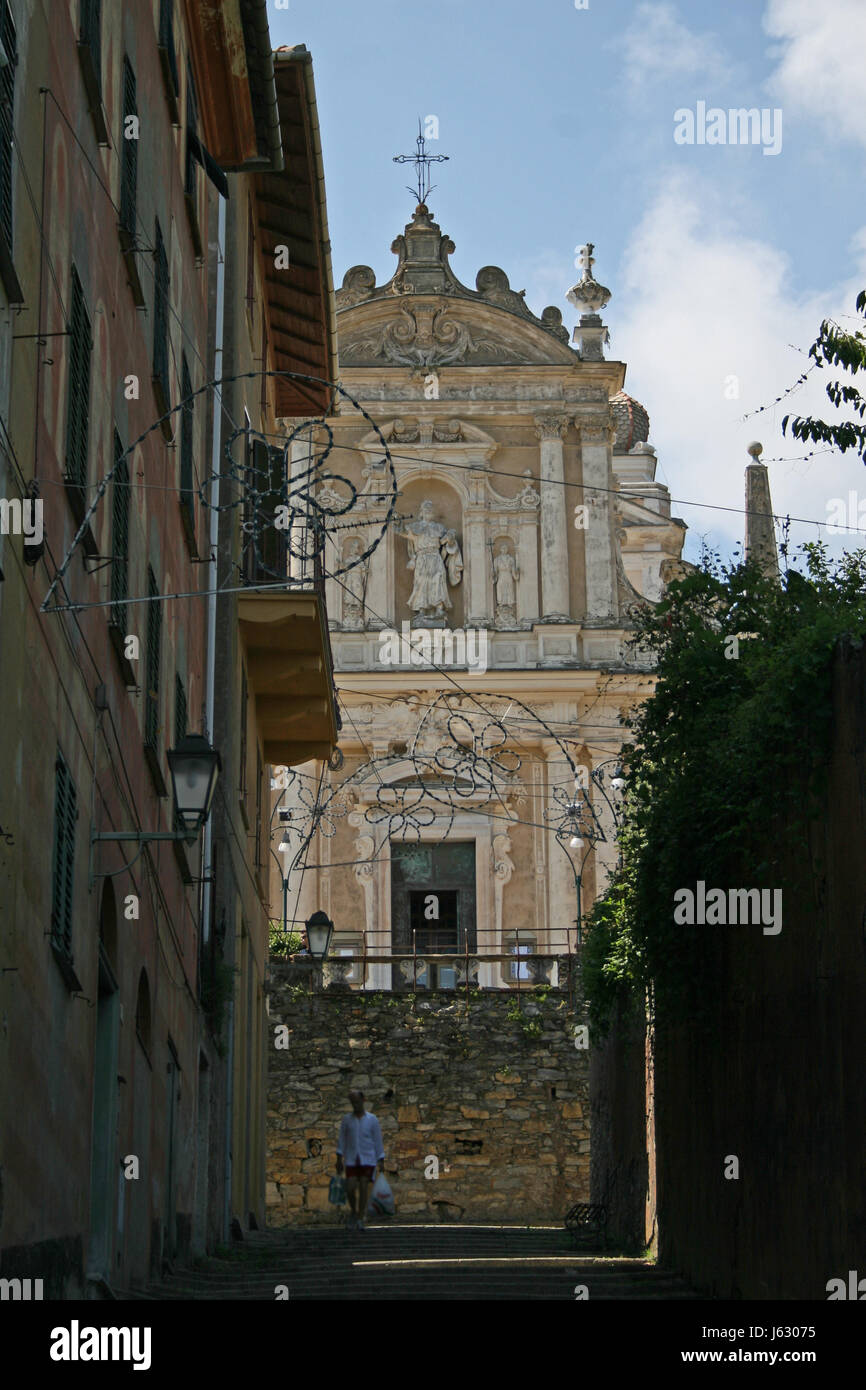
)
(448, 511)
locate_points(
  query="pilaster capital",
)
(551, 426)
(596, 429)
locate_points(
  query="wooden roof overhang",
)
(291, 212)
(288, 658)
(230, 54)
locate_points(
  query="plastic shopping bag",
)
(381, 1201)
(337, 1191)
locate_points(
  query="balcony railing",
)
(421, 972)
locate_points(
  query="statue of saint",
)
(505, 575)
(355, 581)
(434, 555)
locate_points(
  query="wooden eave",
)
(288, 659)
(291, 212)
(222, 81)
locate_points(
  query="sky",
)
(559, 122)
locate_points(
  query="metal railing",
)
(420, 970)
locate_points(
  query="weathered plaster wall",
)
(506, 1114)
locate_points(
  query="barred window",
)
(186, 437)
(190, 184)
(91, 32)
(154, 638)
(129, 155)
(63, 861)
(166, 40)
(179, 710)
(7, 119)
(119, 536)
(78, 385)
(160, 313)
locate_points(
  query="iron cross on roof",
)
(422, 161)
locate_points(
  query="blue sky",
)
(559, 124)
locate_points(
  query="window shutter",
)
(7, 117)
(154, 635)
(179, 710)
(129, 156)
(63, 865)
(119, 536)
(160, 313)
(78, 411)
(186, 437)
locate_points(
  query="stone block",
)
(469, 1113)
(407, 1114)
(317, 1199)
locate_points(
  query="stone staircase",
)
(449, 1260)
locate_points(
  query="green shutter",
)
(119, 536)
(179, 710)
(7, 119)
(154, 635)
(63, 860)
(160, 312)
(186, 437)
(129, 155)
(78, 385)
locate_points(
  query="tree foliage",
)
(835, 347)
(725, 764)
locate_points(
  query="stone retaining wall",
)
(502, 1102)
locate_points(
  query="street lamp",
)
(319, 931)
(195, 767)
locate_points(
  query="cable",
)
(617, 492)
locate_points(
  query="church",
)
(494, 516)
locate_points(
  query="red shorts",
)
(359, 1170)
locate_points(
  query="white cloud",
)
(699, 302)
(658, 45)
(820, 61)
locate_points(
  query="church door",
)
(432, 907)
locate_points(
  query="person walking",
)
(360, 1150)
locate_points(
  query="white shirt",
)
(360, 1140)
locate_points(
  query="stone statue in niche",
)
(505, 576)
(434, 556)
(355, 580)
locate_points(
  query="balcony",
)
(284, 629)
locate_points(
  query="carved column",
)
(379, 605)
(527, 562)
(554, 528)
(596, 440)
(476, 609)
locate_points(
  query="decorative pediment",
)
(425, 333)
(405, 323)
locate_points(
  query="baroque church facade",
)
(481, 647)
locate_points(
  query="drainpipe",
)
(208, 893)
(213, 542)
